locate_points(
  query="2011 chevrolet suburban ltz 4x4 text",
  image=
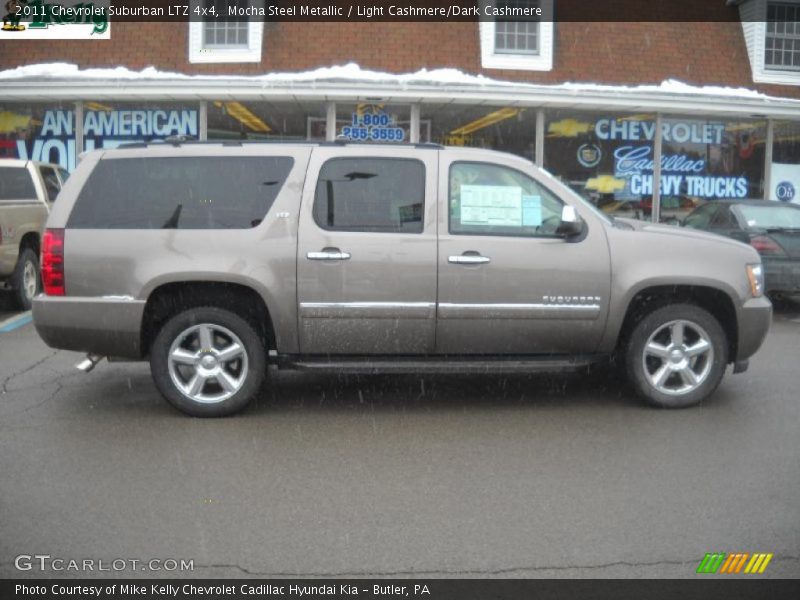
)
(213, 260)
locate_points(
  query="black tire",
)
(183, 333)
(676, 391)
(24, 289)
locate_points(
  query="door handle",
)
(328, 254)
(469, 259)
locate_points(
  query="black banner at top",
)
(77, 11)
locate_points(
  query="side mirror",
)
(571, 224)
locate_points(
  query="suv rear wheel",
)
(208, 362)
(676, 356)
(26, 281)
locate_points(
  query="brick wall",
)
(711, 53)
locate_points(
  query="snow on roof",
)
(354, 73)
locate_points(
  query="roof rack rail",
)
(344, 142)
(221, 141)
(235, 142)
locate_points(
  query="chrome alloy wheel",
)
(678, 357)
(207, 363)
(29, 282)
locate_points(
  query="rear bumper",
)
(755, 318)
(106, 326)
(782, 275)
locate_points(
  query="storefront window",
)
(43, 132)
(373, 122)
(604, 157)
(709, 159)
(282, 121)
(609, 159)
(47, 132)
(785, 169)
(505, 128)
(109, 124)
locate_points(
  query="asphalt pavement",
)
(398, 476)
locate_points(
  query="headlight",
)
(755, 274)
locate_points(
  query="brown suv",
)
(27, 189)
(214, 260)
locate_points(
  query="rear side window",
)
(16, 184)
(383, 195)
(180, 193)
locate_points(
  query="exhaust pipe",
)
(89, 363)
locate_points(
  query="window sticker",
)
(531, 211)
(491, 205)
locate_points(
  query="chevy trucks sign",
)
(680, 174)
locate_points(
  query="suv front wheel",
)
(676, 356)
(208, 362)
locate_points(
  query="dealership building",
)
(710, 107)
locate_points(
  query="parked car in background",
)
(772, 228)
(27, 189)
(673, 208)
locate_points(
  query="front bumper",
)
(755, 318)
(108, 326)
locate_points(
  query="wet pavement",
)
(398, 476)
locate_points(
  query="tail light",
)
(766, 246)
(53, 262)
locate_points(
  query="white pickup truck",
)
(27, 190)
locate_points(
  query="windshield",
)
(780, 216)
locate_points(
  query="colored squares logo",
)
(734, 562)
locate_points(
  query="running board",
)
(375, 365)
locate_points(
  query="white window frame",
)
(543, 61)
(753, 14)
(198, 53)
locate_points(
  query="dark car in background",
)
(772, 228)
(673, 208)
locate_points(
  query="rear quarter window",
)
(16, 184)
(180, 193)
